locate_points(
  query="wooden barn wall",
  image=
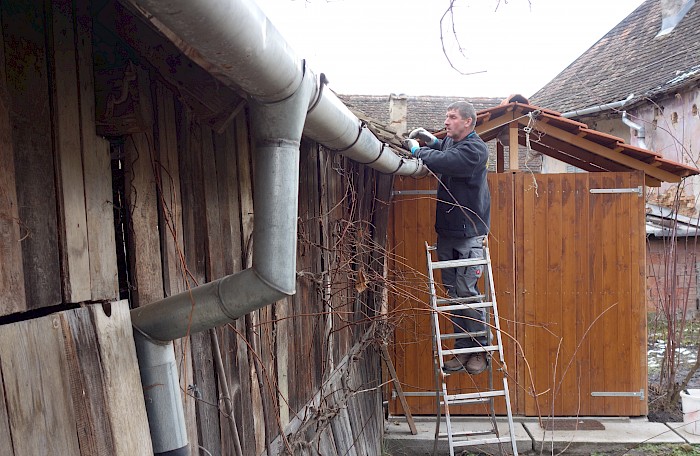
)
(183, 200)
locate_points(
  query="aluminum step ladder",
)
(445, 399)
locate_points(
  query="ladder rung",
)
(463, 335)
(452, 398)
(480, 400)
(458, 263)
(459, 351)
(476, 305)
(504, 439)
(462, 300)
(466, 433)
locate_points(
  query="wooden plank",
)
(104, 277)
(127, 416)
(638, 314)
(225, 150)
(599, 203)
(23, 30)
(194, 238)
(5, 432)
(87, 383)
(583, 230)
(12, 297)
(568, 274)
(245, 179)
(170, 219)
(215, 247)
(36, 388)
(142, 200)
(75, 261)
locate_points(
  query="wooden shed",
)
(568, 254)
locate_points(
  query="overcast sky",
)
(377, 47)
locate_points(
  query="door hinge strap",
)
(638, 190)
(639, 394)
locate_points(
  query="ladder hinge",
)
(413, 192)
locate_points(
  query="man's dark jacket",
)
(464, 202)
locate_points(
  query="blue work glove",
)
(410, 144)
(424, 135)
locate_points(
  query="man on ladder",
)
(462, 219)
(462, 222)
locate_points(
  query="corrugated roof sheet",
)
(629, 59)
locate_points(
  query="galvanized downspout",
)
(234, 40)
(641, 131)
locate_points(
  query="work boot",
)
(476, 364)
(457, 363)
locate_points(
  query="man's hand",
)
(423, 135)
(410, 144)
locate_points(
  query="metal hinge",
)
(639, 394)
(638, 190)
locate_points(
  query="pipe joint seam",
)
(278, 143)
(359, 135)
(322, 82)
(148, 337)
(222, 305)
(272, 285)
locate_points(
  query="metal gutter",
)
(598, 108)
(234, 41)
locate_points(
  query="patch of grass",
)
(682, 449)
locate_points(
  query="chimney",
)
(398, 107)
(672, 11)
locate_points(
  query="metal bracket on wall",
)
(639, 394)
(638, 190)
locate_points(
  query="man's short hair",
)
(465, 110)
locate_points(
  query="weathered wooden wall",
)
(176, 168)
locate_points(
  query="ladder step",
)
(466, 433)
(455, 398)
(461, 443)
(463, 299)
(459, 351)
(476, 305)
(458, 263)
(463, 335)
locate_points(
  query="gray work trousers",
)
(461, 282)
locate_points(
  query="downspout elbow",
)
(641, 131)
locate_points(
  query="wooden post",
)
(513, 146)
(500, 157)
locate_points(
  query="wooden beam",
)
(581, 154)
(513, 156)
(566, 158)
(603, 151)
(495, 123)
(500, 157)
